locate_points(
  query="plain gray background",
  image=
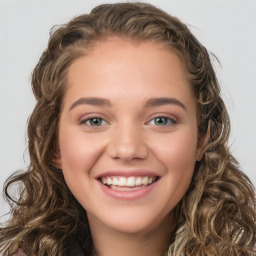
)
(226, 28)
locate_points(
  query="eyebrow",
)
(153, 102)
(90, 101)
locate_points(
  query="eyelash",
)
(84, 122)
(170, 121)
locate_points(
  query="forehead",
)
(123, 66)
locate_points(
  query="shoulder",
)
(73, 249)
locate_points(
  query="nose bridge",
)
(128, 142)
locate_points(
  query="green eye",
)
(162, 121)
(95, 121)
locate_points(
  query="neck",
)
(108, 242)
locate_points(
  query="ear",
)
(203, 144)
(57, 161)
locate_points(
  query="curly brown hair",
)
(217, 215)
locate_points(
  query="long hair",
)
(217, 215)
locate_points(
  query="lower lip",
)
(127, 195)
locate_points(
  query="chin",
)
(132, 222)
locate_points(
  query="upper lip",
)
(128, 173)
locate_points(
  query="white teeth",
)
(128, 181)
(115, 181)
(131, 181)
(122, 181)
(119, 188)
(109, 181)
(138, 181)
(145, 180)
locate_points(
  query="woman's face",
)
(128, 134)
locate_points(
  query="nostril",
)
(128, 151)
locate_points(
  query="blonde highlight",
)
(217, 215)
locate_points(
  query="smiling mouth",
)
(120, 183)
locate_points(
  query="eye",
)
(162, 121)
(94, 121)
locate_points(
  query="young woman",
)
(128, 146)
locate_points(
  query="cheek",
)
(179, 148)
(78, 153)
(178, 155)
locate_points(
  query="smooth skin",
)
(127, 132)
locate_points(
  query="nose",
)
(127, 143)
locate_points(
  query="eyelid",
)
(171, 117)
(103, 122)
(91, 116)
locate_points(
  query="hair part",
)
(217, 214)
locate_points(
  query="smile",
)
(126, 184)
(128, 181)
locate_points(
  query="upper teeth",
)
(128, 181)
